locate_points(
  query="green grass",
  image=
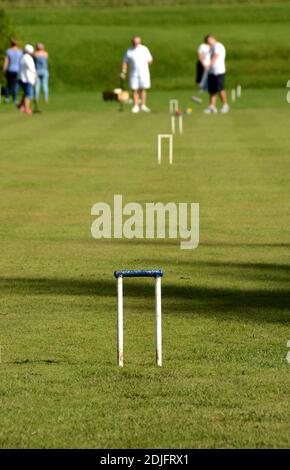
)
(225, 380)
(130, 3)
(86, 44)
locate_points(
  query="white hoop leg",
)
(159, 149)
(120, 321)
(158, 321)
(173, 124)
(180, 122)
(170, 150)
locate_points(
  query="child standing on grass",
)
(27, 78)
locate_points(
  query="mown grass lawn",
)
(225, 380)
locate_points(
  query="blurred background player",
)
(216, 75)
(41, 64)
(138, 57)
(11, 68)
(203, 63)
(27, 77)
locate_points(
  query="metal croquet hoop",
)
(119, 275)
(160, 139)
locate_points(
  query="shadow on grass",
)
(160, 242)
(269, 272)
(271, 305)
(39, 361)
(245, 245)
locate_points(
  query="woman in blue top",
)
(11, 68)
(41, 64)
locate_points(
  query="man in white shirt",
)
(216, 75)
(27, 78)
(138, 57)
(203, 53)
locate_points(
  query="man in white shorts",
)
(139, 58)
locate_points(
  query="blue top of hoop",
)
(139, 273)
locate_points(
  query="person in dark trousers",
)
(11, 68)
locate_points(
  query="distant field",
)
(132, 3)
(86, 44)
(225, 380)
